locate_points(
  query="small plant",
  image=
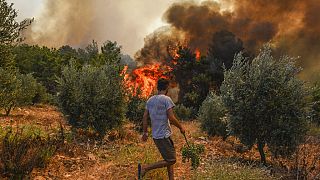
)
(24, 149)
(192, 152)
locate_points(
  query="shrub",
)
(315, 111)
(16, 89)
(266, 103)
(213, 116)
(92, 97)
(136, 108)
(24, 149)
(184, 113)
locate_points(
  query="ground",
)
(118, 155)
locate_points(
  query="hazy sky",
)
(124, 21)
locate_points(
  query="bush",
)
(213, 116)
(92, 97)
(136, 108)
(16, 89)
(315, 111)
(266, 102)
(25, 149)
(184, 113)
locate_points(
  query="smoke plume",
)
(292, 26)
(78, 22)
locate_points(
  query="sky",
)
(126, 21)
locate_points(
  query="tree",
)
(44, 63)
(16, 89)
(193, 76)
(9, 28)
(10, 31)
(92, 98)
(266, 103)
(213, 116)
(224, 46)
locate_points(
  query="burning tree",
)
(266, 103)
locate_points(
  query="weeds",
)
(24, 149)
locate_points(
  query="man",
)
(160, 109)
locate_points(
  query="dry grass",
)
(117, 156)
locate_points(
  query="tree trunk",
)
(262, 155)
(8, 110)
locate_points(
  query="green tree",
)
(213, 116)
(193, 76)
(92, 98)
(44, 63)
(10, 31)
(266, 102)
(16, 89)
(315, 113)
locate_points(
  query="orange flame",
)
(145, 79)
(142, 81)
(198, 54)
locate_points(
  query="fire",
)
(198, 54)
(145, 78)
(142, 81)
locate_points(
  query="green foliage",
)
(184, 113)
(315, 113)
(266, 102)
(193, 77)
(43, 63)
(16, 89)
(136, 108)
(6, 57)
(92, 97)
(24, 149)
(192, 152)
(213, 116)
(9, 28)
(27, 91)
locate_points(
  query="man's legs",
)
(159, 164)
(170, 172)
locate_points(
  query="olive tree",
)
(266, 102)
(92, 97)
(16, 89)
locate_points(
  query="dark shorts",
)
(166, 148)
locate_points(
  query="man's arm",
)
(145, 125)
(174, 120)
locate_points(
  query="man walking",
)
(160, 109)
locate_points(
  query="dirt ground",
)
(119, 153)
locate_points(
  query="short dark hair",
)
(163, 84)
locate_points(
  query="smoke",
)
(78, 22)
(293, 27)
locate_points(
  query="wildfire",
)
(145, 78)
(142, 81)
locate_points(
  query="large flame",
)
(142, 81)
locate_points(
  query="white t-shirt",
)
(157, 107)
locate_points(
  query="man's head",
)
(163, 84)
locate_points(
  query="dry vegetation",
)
(117, 156)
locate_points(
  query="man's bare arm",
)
(174, 120)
